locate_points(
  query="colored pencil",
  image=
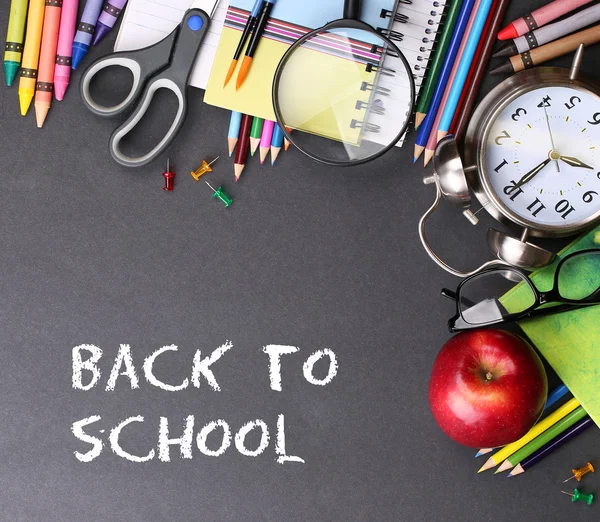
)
(234, 131)
(549, 51)
(552, 446)
(436, 62)
(427, 124)
(287, 143)
(45, 79)
(538, 429)
(31, 54)
(550, 434)
(468, 98)
(550, 32)
(261, 25)
(248, 28)
(463, 68)
(276, 143)
(265, 140)
(242, 149)
(555, 395)
(540, 17)
(64, 52)
(85, 31)
(432, 140)
(15, 36)
(255, 134)
(107, 19)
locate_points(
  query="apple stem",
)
(489, 376)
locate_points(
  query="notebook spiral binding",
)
(429, 18)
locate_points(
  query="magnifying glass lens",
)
(348, 98)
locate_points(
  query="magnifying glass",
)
(346, 91)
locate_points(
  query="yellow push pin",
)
(204, 168)
(578, 473)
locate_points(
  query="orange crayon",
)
(31, 54)
(45, 80)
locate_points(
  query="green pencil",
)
(255, 134)
(436, 63)
(548, 435)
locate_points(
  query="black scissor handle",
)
(175, 78)
(143, 64)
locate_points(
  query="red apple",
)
(487, 388)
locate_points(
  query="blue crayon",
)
(427, 124)
(276, 143)
(85, 31)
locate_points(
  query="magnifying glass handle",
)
(352, 9)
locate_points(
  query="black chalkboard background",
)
(307, 256)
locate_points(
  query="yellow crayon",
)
(31, 54)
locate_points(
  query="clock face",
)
(542, 156)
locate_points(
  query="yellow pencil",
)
(31, 54)
(539, 428)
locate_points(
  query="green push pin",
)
(220, 194)
(578, 495)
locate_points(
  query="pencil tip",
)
(489, 463)
(506, 465)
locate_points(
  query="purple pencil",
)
(551, 446)
(110, 13)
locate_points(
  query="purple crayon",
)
(110, 13)
(85, 31)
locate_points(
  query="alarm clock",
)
(532, 158)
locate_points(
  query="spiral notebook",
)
(412, 25)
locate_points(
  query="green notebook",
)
(569, 341)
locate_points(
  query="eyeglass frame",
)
(541, 298)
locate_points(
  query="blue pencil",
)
(463, 68)
(276, 143)
(234, 130)
(555, 395)
(459, 30)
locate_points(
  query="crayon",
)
(540, 17)
(109, 16)
(31, 54)
(85, 30)
(62, 68)
(15, 34)
(45, 79)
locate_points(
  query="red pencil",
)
(242, 147)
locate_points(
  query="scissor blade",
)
(208, 6)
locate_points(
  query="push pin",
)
(578, 473)
(204, 168)
(220, 194)
(169, 177)
(577, 495)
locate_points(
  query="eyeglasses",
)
(481, 300)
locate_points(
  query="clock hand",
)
(551, 137)
(532, 173)
(574, 162)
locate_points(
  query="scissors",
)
(167, 64)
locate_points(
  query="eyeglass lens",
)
(579, 276)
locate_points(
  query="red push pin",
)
(169, 177)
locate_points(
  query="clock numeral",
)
(595, 119)
(564, 208)
(497, 169)
(598, 175)
(505, 135)
(545, 102)
(518, 113)
(588, 197)
(513, 191)
(536, 207)
(572, 101)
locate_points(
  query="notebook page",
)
(146, 22)
(414, 36)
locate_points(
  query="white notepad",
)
(146, 22)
